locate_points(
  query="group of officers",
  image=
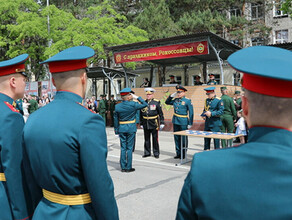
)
(54, 166)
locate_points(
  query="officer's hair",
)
(64, 77)
(125, 97)
(269, 109)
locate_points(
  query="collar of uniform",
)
(269, 134)
(68, 95)
(6, 98)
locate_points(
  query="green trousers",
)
(227, 127)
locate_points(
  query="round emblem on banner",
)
(119, 58)
(200, 48)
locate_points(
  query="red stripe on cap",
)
(124, 93)
(209, 91)
(267, 86)
(67, 65)
(11, 69)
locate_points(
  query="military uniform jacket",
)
(33, 106)
(152, 114)
(249, 182)
(12, 191)
(112, 104)
(67, 150)
(216, 107)
(181, 106)
(229, 107)
(127, 112)
(102, 107)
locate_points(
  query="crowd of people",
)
(59, 171)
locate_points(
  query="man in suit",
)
(213, 109)
(13, 196)
(253, 180)
(68, 154)
(152, 120)
(182, 118)
(125, 119)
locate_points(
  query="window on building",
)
(277, 4)
(105, 87)
(178, 79)
(257, 10)
(235, 11)
(281, 36)
(257, 41)
(236, 79)
(119, 85)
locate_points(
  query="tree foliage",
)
(156, 20)
(287, 7)
(24, 29)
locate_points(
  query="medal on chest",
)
(152, 107)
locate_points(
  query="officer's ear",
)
(84, 78)
(12, 82)
(245, 108)
(53, 81)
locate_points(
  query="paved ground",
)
(152, 191)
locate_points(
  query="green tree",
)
(156, 20)
(24, 29)
(287, 7)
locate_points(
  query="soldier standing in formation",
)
(253, 180)
(152, 120)
(237, 100)
(102, 107)
(68, 155)
(125, 119)
(112, 104)
(13, 204)
(229, 115)
(182, 118)
(213, 109)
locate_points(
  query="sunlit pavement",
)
(152, 191)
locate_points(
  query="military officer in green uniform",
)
(125, 119)
(152, 120)
(229, 115)
(102, 107)
(33, 104)
(238, 100)
(212, 80)
(68, 155)
(13, 202)
(212, 112)
(252, 180)
(182, 118)
(112, 104)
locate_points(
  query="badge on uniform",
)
(152, 107)
(183, 103)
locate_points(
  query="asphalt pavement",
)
(152, 191)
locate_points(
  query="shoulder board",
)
(218, 98)
(86, 108)
(187, 98)
(11, 107)
(156, 100)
